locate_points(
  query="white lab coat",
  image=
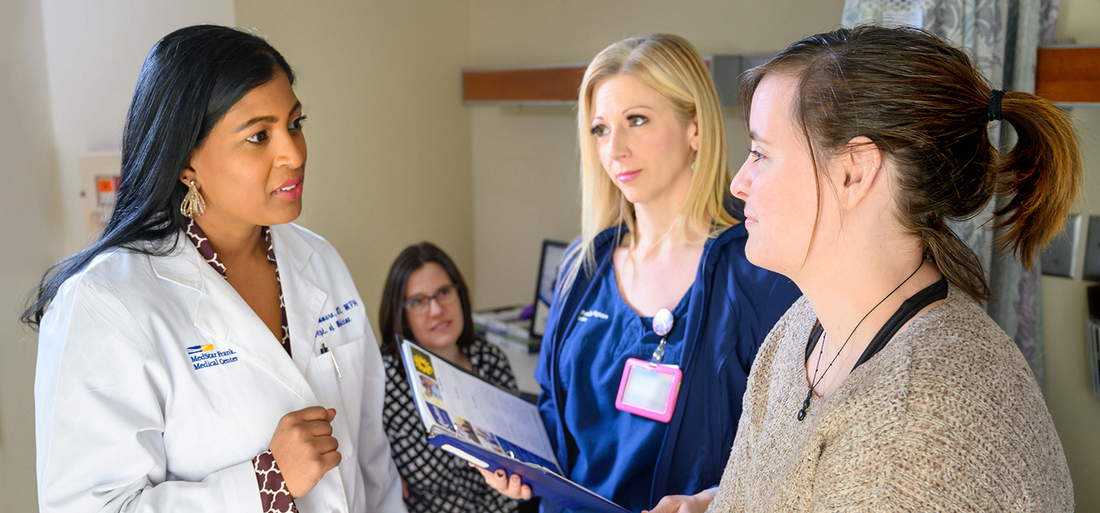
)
(130, 419)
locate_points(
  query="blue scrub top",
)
(730, 308)
(606, 334)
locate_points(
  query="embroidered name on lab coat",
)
(336, 319)
(205, 356)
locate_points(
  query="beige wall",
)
(1080, 20)
(525, 173)
(29, 203)
(389, 141)
(1076, 411)
(94, 51)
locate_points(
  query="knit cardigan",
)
(947, 417)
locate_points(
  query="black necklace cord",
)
(816, 381)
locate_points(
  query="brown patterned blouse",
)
(274, 496)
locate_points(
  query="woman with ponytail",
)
(887, 387)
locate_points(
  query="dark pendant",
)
(805, 406)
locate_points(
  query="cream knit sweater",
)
(947, 417)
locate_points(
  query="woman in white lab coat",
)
(204, 354)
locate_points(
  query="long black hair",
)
(391, 313)
(190, 79)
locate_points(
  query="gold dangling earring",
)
(193, 204)
(694, 157)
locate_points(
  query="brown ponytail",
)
(922, 101)
(1041, 174)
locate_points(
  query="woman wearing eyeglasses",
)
(425, 300)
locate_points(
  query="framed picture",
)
(549, 266)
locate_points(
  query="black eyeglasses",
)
(445, 296)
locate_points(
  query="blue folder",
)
(541, 475)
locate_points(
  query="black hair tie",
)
(995, 104)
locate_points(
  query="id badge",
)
(649, 389)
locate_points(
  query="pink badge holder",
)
(649, 389)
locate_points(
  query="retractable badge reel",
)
(649, 389)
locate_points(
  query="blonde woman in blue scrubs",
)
(660, 232)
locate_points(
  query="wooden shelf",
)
(1069, 74)
(561, 84)
(528, 85)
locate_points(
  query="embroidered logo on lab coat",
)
(588, 314)
(205, 356)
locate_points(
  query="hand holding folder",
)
(491, 428)
(509, 486)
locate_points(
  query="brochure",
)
(490, 427)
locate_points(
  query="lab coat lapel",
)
(304, 300)
(222, 314)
